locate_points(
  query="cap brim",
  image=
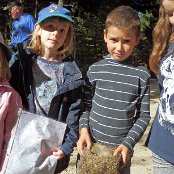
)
(7, 7)
(12, 4)
(56, 15)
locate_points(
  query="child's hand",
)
(124, 151)
(58, 154)
(84, 140)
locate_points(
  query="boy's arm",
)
(142, 115)
(85, 139)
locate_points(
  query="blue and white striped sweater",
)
(117, 97)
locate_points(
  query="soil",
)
(141, 161)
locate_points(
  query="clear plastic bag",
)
(30, 146)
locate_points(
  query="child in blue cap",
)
(51, 80)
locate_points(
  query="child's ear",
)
(37, 29)
(105, 35)
(138, 40)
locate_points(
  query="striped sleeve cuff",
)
(84, 120)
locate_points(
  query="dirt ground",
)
(141, 161)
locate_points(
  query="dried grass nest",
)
(99, 160)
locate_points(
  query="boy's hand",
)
(58, 154)
(124, 151)
(84, 140)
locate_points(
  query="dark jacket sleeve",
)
(21, 74)
(75, 106)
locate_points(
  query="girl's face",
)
(53, 33)
(169, 9)
(120, 43)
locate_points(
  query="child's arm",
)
(11, 102)
(21, 75)
(72, 121)
(84, 140)
(11, 117)
(58, 154)
(124, 151)
(142, 116)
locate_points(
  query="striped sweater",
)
(116, 99)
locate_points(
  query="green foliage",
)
(89, 46)
(146, 19)
(142, 51)
(89, 24)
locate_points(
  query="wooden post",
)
(36, 7)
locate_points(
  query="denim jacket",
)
(66, 105)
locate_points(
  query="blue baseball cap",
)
(54, 10)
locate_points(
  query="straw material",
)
(99, 160)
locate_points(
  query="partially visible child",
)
(117, 91)
(161, 137)
(51, 80)
(10, 102)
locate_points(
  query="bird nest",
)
(99, 160)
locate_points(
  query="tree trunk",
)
(35, 11)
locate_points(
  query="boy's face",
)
(120, 43)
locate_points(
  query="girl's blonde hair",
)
(35, 45)
(162, 35)
(4, 67)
